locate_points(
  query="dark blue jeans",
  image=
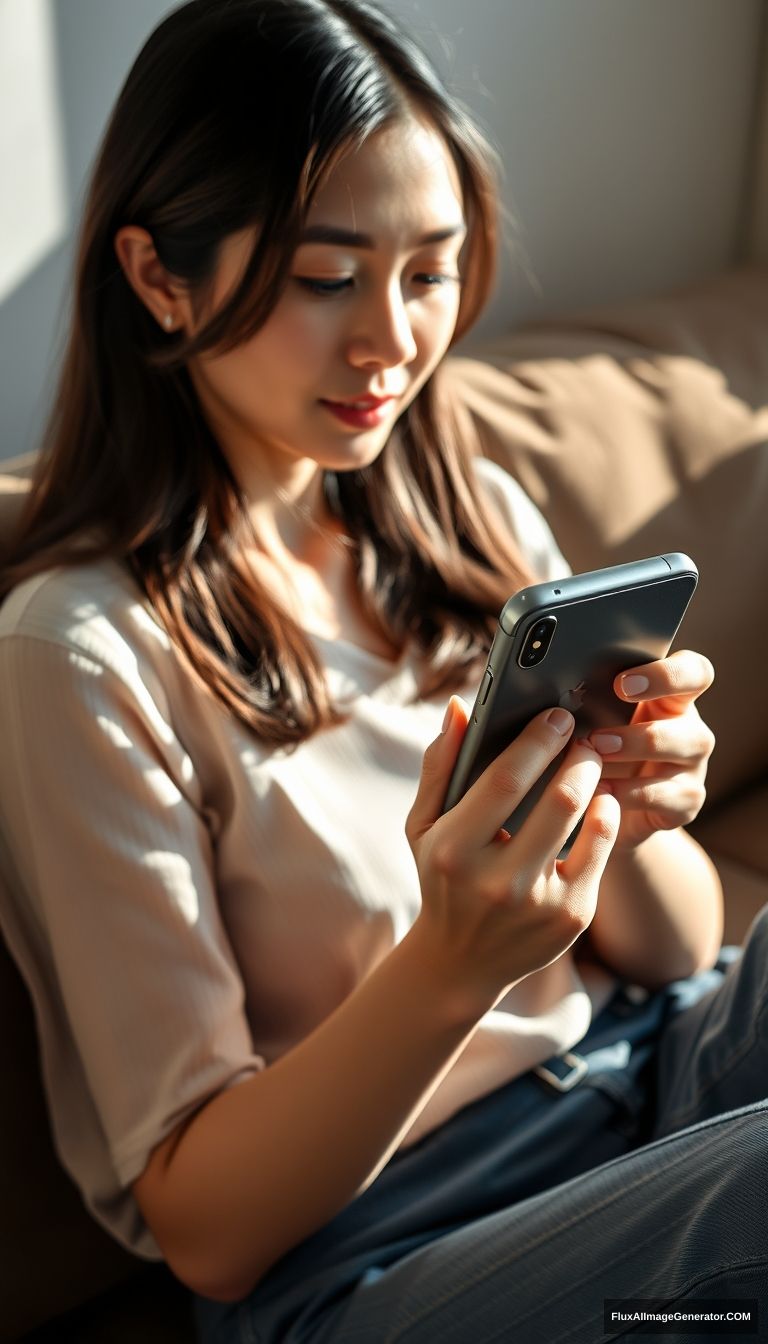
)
(519, 1216)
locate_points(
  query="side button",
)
(486, 685)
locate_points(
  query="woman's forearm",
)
(660, 911)
(268, 1162)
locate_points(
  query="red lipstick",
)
(362, 413)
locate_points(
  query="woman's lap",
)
(554, 1188)
(713, 1056)
(635, 1227)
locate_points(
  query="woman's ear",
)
(149, 279)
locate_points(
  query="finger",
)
(682, 674)
(436, 769)
(677, 741)
(661, 770)
(592, 847)
(560, 807)
(671, 802)
(481, 813)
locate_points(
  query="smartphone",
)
(563, 643)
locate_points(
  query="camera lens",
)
(537, 641)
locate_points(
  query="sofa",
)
(637, 429)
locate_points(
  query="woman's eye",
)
(326, 288)
(426, 278)
(323, 286)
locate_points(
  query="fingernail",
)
(605, 743)
(634, 685)
(561, 720)
(603, 787)
(448, 716)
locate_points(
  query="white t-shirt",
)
(186, 903)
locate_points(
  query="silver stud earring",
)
(168, 321)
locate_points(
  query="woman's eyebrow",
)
(326, 233)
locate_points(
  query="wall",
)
(756, 220)
(625, 131)
(625, 127)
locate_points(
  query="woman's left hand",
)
(657, 764)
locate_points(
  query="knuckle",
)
(495, 890)
(605, 828)
(506, 780)
(582, 916)
(447, 859)
(689, 669)
(687, 672)
(655, 733)
(432, 755)
(566, 798)
(708, 741)
(707, 671)
(695, 799)
(651, 796)
(574, 918)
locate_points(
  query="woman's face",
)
(367, 314)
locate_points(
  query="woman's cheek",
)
(433, 330)
(302, 326)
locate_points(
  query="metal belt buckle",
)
(577, 1067)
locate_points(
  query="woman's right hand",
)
(496, 908)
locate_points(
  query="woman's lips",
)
(365, 413)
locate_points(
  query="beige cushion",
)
(18, 466)
(14, 480)
(641, 430)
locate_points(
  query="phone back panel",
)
(601, 631)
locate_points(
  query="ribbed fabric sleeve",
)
(138, 1000)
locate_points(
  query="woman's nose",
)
(383, 335)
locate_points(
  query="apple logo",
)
(574, 699)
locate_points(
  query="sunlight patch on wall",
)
(33, 204)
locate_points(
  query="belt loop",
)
(577, 1067)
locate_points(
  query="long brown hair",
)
(233, 114)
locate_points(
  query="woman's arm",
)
(264, 1164)
(267, 1162)
(660, 911)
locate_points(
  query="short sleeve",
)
(109, 907)
(531, 530)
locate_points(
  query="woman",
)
(303, 1037)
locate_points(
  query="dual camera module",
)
(537, 641)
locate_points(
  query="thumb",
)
(436, 768)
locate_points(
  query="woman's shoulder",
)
(94, 608)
